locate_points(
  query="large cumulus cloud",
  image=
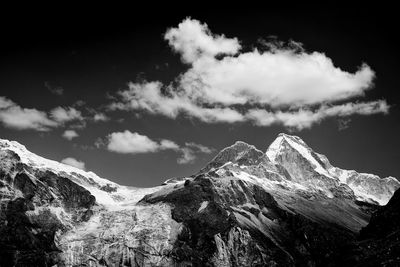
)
(282, 85)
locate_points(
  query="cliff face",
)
(35, 206)
(379, 241)
(230, 222)
(286, 207)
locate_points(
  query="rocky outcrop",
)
(26, 242)
(33, 204)
(29, 224)
(379, 241)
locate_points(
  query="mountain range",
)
(287, 206)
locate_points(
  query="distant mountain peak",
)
(240, 152)
(291, 140)
(285, 144)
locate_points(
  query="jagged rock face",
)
(230, 222)
(24, 242)
(139, 236)
(205, 207)
(31, 210)
(379, 241)
(385, 221)
(286, 207)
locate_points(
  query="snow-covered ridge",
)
(39, 162)
(119, 197)
(241, 156)
(240, 144)
(366, 187)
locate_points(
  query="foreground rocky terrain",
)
(287, 206)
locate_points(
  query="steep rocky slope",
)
(286, 207)
(379, 243)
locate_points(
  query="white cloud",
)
(134, 143)
(147, 96)
(199, 147)
(74, 163)
(304, 118)
(187, 156)
(127, 142)
(190, 152)
(100, 117)
(70, 134)
(168, 144)
(67, 114)
(194, 40)
(6, 103)
(257, 86)
(281, 78)
(14, 116)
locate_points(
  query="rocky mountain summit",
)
(287, 206)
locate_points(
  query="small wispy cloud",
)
(100, 117)
(74, 163)
(57, 90)
(70, 134)
(65, 114)
(343, 124)
(190, 152)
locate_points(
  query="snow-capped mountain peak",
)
(276, 147)
(282, 144)
(240, 153)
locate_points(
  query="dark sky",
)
(94, 52)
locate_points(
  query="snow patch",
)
(203, 205)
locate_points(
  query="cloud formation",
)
(190, 151)
(134, 143)
(62, 115)
(283, 84)
(305, 118)
(74, 163)
(100, 117)
(70, 134)
(15, 117)
(127, 142)
(193, 40)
